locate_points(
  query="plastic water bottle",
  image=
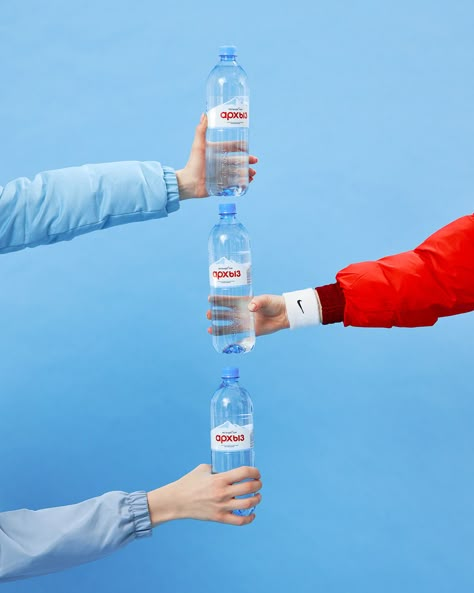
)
(227, 157)
(230, 279)
(232, 427)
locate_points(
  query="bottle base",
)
(232, 191)
(242, 347)
(234, 349)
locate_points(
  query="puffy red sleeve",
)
(410, 289)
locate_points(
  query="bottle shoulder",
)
(234, 228)
(228, 239)
(228, 68)
(231, 394)
(224, 75)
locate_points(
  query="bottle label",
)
(232, 437)
(234, 113)
(226, 272)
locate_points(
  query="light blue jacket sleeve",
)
(60, 205)
(33, 543)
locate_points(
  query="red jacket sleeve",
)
(410, 289)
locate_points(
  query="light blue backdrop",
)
(362, 117)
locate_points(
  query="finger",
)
(225, 330)
(259, 302)
(218, 301)
(219, 315)
(221, 331)
(240, 504)
(243, 488)
(234, 162)
(237, 520)
(241, 473)
(252, 172)
(222, 314)
(231, 146)
(227, 301)
(253, 159)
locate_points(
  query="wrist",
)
(284, 320)
(302, 308)
(185, 188)
(163, 505)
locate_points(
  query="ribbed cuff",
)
(172, 188)
(141, 516)
(332, 302)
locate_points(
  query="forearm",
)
(60, 205)
(33, 543)
(410, 289)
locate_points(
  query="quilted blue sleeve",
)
(60, 205)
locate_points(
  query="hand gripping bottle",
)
(230, 279)
(227, 156)
(232, 427)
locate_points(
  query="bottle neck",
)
(228, 218)
(228, 59)
(229, 381)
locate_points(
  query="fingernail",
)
(252, 306)
(203, 115)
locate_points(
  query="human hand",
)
(269, 314)
(192, 179)
(207, 497)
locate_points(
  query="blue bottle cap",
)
(228, 51)
(230, 373)
(227, 209)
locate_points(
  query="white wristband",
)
(302, 308)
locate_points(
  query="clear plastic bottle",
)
(227, 156)
(232, 427)
(230, 279)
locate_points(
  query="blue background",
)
(362, 117)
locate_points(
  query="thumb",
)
(259, 302)
(200, 136)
